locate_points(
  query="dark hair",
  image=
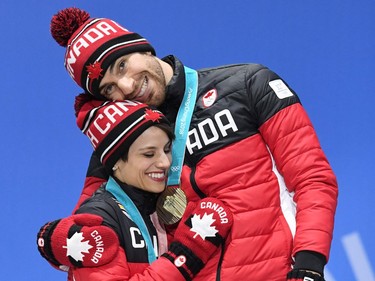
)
(162, 126)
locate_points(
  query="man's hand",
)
(202, 229)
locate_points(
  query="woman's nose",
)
(164, 161)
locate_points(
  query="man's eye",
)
(108, 91)
(121, 66)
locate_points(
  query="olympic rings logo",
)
(175, 168)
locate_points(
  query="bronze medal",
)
(171, 205)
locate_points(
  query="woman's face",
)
(149, 158)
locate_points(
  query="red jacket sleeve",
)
(96, 175)
(300, 159)
(160, 270)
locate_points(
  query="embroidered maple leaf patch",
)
(94, 70)
(75, 246)
(152, 115)
(202, 226)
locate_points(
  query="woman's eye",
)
(149, 155)
(168, 148)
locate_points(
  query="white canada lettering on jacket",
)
(99, 246)
(138, 242)
(218, 209)
(90, 36)
(207, 133)
(111, 114)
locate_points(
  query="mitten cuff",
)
(44, 242)
(303, 275)
(184, 259)
(310, 260)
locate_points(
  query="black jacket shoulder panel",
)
(103, 203)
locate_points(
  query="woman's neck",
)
(144, 201)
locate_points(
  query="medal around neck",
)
(171, 205)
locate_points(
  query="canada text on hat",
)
(95, 32)
(113, 126)
(93, 44)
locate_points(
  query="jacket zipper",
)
(218, 271)
(194, 184)
(202, 195)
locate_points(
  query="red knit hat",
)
(92, 45)
(112, 126)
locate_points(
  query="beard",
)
(155, 73)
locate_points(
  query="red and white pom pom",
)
(65, 23)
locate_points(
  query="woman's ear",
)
(115, 168)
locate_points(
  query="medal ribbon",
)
(113, 187)
(182, 125)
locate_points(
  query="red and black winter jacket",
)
(131, 262)
(252, 145)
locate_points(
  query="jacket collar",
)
(144, 201)
(174, 90)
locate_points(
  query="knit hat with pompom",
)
(112, 126)
(92, 45)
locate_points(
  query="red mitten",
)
(303, 275)
(202, 230)
(79, 240)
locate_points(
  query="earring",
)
(114, 168)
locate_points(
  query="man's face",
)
(137, 76)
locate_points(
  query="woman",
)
(133, 142)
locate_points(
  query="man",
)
(249, 143)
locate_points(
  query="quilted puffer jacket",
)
(252, 145)
(131, 261)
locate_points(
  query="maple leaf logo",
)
(94, 70)
(208, 94)
(209, 98)
(152, 115)
(202, 226)
(76, 247)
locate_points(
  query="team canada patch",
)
(209, 98)
(281, 90)
(180, 261)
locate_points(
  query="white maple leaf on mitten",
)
(75, 247)
(202, 227)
